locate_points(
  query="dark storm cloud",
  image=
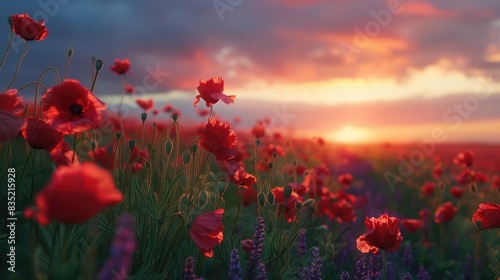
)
(282, 40)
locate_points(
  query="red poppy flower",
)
(62, 154)
(103, 156)
(75, 194)
(290, 207)
(203, 112)
(121, 66)
(427, 189)
(243, 179)
(219, 139)
(495, 182)
(27, 28)
(300, 189)
(487, 216)
(211, 91)
(382, 233)
(259, 130)
(457, 192)
(344, 211)
(145, 104)
(437, 171)
(249, 197)
(465, 177)
(41, 135)
(445, 213)
(465, 159)
(412, 225)
(207, 231)
(345, 180)
(11, 102)
(247, 245)
(168, 108)
(72, 108)
(129, 89)
(11, 108)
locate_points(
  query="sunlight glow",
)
(350, 134)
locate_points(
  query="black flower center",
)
(76, 109)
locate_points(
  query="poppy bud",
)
(262, 199)
(144, 116)
(298, 205)
(287, 192)
(70, 52)
(270, 165)
(275, 154)
(175, 116)
(118, 135)
(98, 64)
(185, 157)
(472, 188)
(247, 245)
(131, 144)
(270, 198)
(221, 186)
(441, 185)
(168, 147)
(308, 202)
(257, 142)
(193, 149)
(93, 145)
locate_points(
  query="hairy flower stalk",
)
(252, 269)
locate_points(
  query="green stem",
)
(67, 68)
(8, 49)
(18, 66)
(74, 149)
(94, 80)
(56, 74)
(238, 211)
(384, 266)
(30, 84)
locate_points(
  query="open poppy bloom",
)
(211, 91)
(456, 191)
(445, 213)
(465, 159)
(27, 28)
(487, 216)
(382, 233)
(11, 108)
(72, 108)
(41, 135)
(345, 180)
(412, 225)
(207, 231)
(121, 66)
(289, 203)
(145, 104)
(75, 194)
(219, 139)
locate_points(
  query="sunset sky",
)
(350, 71)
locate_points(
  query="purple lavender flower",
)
(407, 257)
(121, 253)
(345, 275)
(407, 276)
(188, 273)
(423, 274)
(468, 267)
(255, 254)
(392, 273)
(361, 269)
(234, 266)
(315, 272)
(302, 244)
(374, 268)
(261, 272)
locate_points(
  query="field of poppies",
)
(90, 194)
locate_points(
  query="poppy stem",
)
(94, 79)
(8, 49)
(32, 83)
(74, 149)
(67, 68)
(384, 265)
(38, 83)
(18, 65)
(124, 83)
(238, 210)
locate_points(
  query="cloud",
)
(270, 41)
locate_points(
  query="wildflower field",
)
(88, 193)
